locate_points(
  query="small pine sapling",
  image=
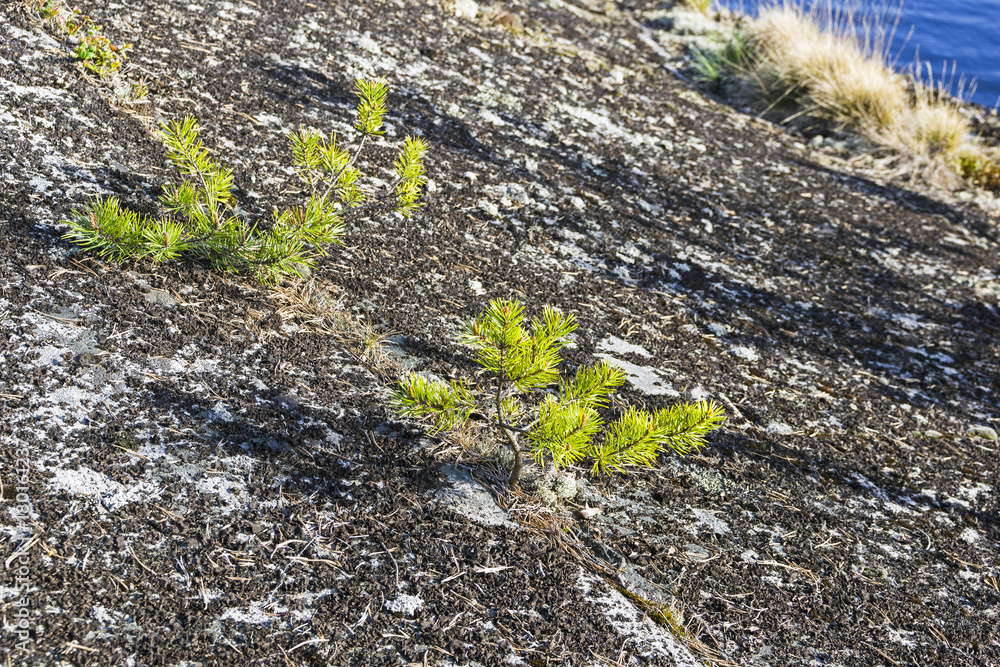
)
(560, 419)
(203, 220)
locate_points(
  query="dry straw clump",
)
(315, 309)
(700, 5)
(799, 58)
(826, 64)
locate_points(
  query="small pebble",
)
(984, 432)
(466, 9)
(489, 208)
(779, 428)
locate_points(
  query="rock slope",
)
(196, 471)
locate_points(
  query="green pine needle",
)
(685, 425)
(564, 431)
(105, 227)
(448, 405)
(593, 386)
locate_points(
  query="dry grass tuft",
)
(979, 165)
(822, 64)
(701, 5)
(815, 62)
(937, 128)
(314, 308)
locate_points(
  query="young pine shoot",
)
(202, 219)
(560, 419)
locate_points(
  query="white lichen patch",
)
(779, 428)
(711, 521)
(615, 345)
(232, 493)
(970, 536)
(745, 353)
(972, 491)
(256, 613)
(111, 494)
(408, 605)
(644, 378)
(555, 486)
(650, 640)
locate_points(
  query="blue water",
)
(962, 33)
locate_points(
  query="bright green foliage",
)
(527, 360)
(202, 219)
(709, 66)
(700, 5)
(108, 228)
(562, 418)
(736, 54)
(565, 429)
(637, 436)
(371, 105)
(139, 90)
(47, 8)
(98, 54)
(206, 201)
(448, 404)
(980, 168)
(410, 172)
(713, 66)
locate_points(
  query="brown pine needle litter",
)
(559, 528)
(314, 308)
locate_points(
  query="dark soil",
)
(211, 482)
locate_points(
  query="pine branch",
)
(592, 386)
(533, 363)
(563, 431)
(164, 240)
(190, 158)
(447, 404)
(371, 105)
(633, 439)
(115, 233)
(495, 333)
(685, 426)
(410, 172)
